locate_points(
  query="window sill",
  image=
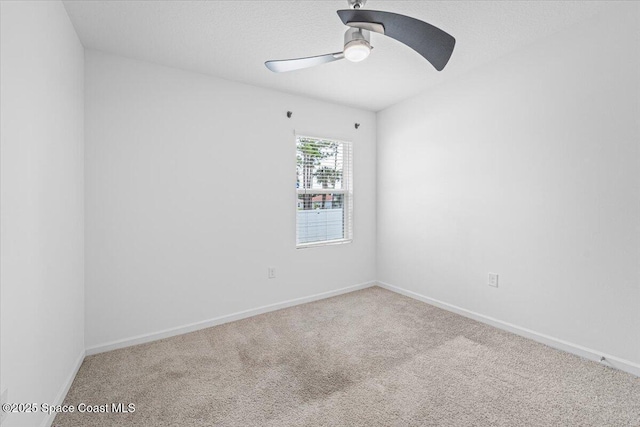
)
(323, 243)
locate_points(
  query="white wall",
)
(528, 167)
(177, 165)
(42, 261)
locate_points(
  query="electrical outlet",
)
(4, 398)
(272, 272)
(493, 280)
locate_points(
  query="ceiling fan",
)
(432, 43)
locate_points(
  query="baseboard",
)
(48, 421)
(587, 353)
(154, 336)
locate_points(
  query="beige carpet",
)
(368, 358)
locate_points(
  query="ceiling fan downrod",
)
(356, 4)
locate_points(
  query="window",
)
(325, 191)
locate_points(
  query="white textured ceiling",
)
(232, 39)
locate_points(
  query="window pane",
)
(320, 164)
(320, 217)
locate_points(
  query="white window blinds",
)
(325, 191)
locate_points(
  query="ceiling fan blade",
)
(279, 66)
(431, 42)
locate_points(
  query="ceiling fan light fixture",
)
(357, 50)
(356, 44)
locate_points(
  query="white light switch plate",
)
(493, 280)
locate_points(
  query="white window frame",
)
(347, 191)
